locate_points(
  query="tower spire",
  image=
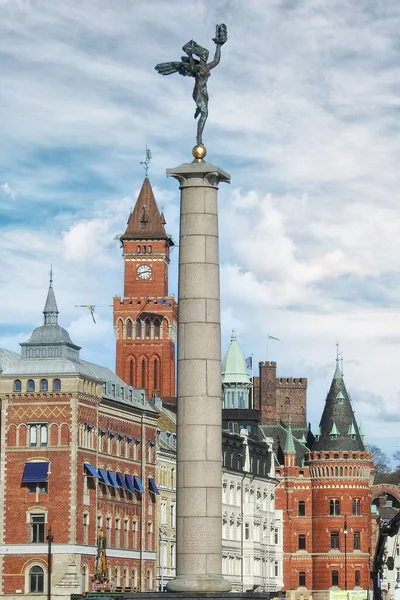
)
(338, 372)
(50, 308)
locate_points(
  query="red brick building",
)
(78, 453)
(325, 494)
(145, 319)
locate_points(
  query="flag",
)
(249, 362)
(271, 337)
(91, 307)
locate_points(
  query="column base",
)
(199, 583)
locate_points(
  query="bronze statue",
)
(200, 70)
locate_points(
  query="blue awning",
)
(104, 477)
(35, 472)
(152, 486)
(138, 484)
(129, 481)
(121, 480)
(91, 471)
(112, 478)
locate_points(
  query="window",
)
(30, 385)
(138, 249)
(44, 385)
(357, 578)
(36, 580)
(334, 507)
(134, 533)
(17, 385)
(131, 373)
(126, 533)
(143, 373)
(155, 375)
(172, 515)
(56, 385)
(335, 577)
(43, 435)
(85, 528)
(301, 508)
(276, 568)
(117, 529)
(134, 578)
(150, 249)
(276, 536)
(302, 579)
(156, 328)
(149, 534)
(302, 542)
(247, 531)
(138, 328)
(32, 435)
(147, 328)
(356, 504)
(335, 540)
(37, 528)
(108, 531)
(129, 328)
(356, 540)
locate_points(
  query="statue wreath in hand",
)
(200, 70)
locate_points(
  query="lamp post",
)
(49, 539)
(345, 552)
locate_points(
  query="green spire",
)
(289, 444)
(338, 371)
(352, 430)
(334, 430)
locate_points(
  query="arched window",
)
(132, 372)
(138, 328)
(56, 385)
(155, 374)
(147, 328)
(134, 578)
(36, 580)
(30, 385)
(125, 578)
(129, 328)
(156, 328)
(138, 249)
(44, 385)
(143, 373)
(17, 385)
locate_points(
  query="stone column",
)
(199, 464)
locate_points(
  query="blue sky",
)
(304, 114)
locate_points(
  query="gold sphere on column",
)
(199, 151)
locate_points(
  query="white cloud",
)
(7, 191)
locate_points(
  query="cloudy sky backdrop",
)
(304, 114)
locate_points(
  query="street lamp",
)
(49, 539)
(345, 552)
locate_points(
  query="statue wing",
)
(183, 68)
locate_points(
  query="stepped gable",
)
(338, 429)
(145, 221)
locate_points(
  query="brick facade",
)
(278, 398)
(145, 319)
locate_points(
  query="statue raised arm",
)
(200, 70)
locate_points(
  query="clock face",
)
(144, 272)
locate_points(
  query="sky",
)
(303, 113)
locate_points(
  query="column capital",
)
(199, 174)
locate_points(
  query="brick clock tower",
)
(145, 319)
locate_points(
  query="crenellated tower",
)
(145, 319)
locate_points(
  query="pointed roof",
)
(145, 221)
(50, 308)
(233, 366)
(289, 444)
(338, 429)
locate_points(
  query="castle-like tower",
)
(145, 319)
(326, 498)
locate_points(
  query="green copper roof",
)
(289, 444)
(233, 366)
(352, 430)
(334, 430)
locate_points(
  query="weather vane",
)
(200, 70)
(146, 163)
